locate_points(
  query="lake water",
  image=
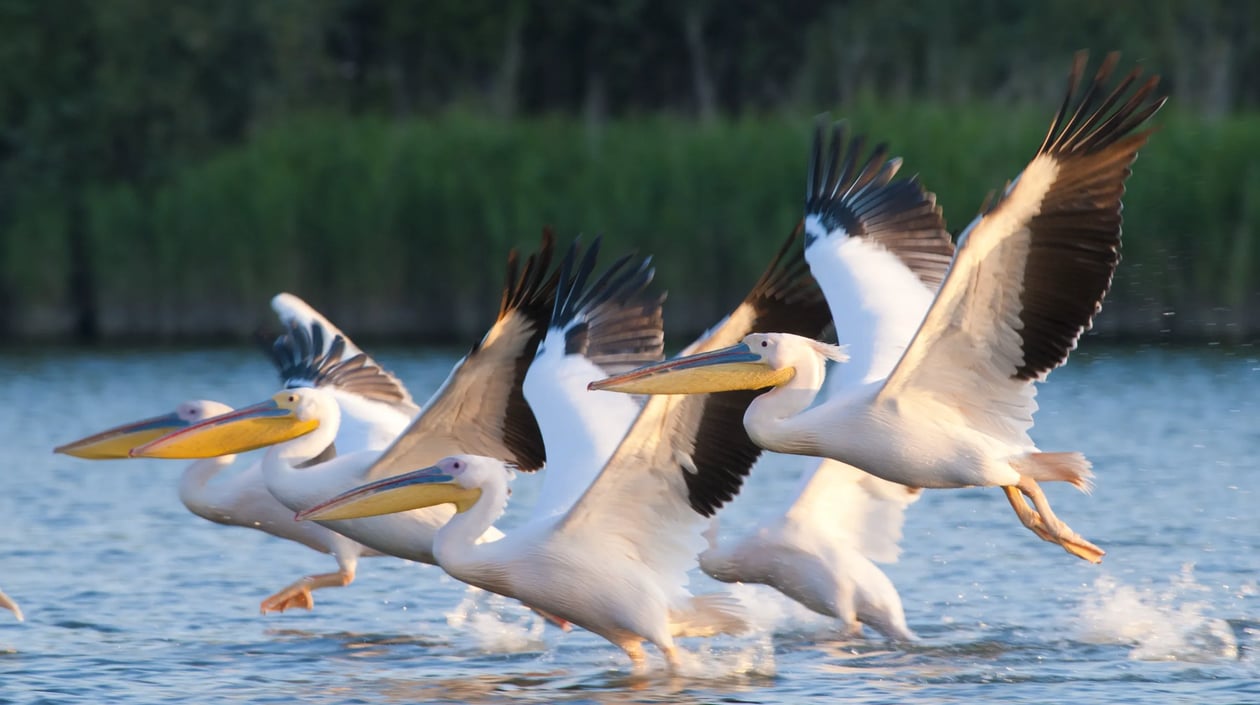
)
(129, 598)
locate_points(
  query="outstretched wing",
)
(481, 407)
(315, 353)
(878, 248)
(1031, 273)
(599, 327)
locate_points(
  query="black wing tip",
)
(1093, 139)
(835, 179)
(531, 293)
(856, 193)
(534, 287)
(1085, 125)
(724, 454)
(623, 283)
(301, 357)
(613, 318)
(787, 298)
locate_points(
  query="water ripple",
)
(131, 600)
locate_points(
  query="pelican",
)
(7, 603)
(376, 402)
(1026, 281)
(821, 549)
(480, 406)
(614, 562)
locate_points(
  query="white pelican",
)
(480, 406)
(376, 402)
(616, 561)
(7, 603)
(1028, 277)
(820, 550)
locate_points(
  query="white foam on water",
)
(1161, 623)
(770, 611)
(720, 658)
(497, 624)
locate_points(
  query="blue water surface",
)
(131, 599)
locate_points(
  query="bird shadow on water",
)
(349, 644)
(562, 685)
(405, 668)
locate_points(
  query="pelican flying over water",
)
(615, 562)
(821, 550)
(377, 407)
(1028, 277)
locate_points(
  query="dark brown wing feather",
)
(303, 359)
(1075, 235)
(786, 299)
(865, 202)
(614, 321)
(481, 407)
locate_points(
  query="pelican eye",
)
(765, 344)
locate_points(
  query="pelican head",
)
(759, 361)
(117, 442)
(285, 416)
(455, 480)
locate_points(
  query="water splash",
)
(497, 624)
(719, 658)
(770, 611)
(1161, 623)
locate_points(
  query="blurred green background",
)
(166, 167)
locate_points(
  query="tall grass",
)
(401, 228)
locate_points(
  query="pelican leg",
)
(1026, 515)
(564, 624)
(299, 593)
(671, 657)
(638, 657)
(7, 603)
(1045, 524)
(851, 629)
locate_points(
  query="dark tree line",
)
(126, 91)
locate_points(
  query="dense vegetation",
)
(165, 167)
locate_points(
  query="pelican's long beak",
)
(413, 490)
(117, 442)
(237, 431)
(736, 367)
